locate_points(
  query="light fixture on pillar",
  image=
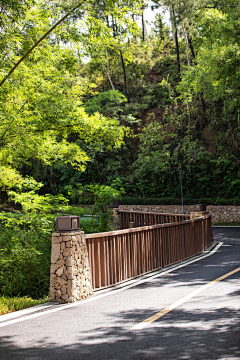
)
(68, 223)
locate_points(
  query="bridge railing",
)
(120, 255)
(130, 219)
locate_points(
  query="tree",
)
(216, 74)
(107, 31)
(41, 104)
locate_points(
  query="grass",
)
(226, 223)
(8, 305)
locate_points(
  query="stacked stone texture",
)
(70, 277)
(197, 214)
(219, 213)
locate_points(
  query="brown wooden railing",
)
(138, 218)
(120, 255)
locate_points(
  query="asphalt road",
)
(202, 325)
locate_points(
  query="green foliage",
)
(25, 250)
(166, 67)
(216, 74)
(158, 165)
(25, 242)
(103, 198)
(25, 237)
(18, 303)
(91, 225)
(46, 107)
(33, 202)
(128, 200)
(224, 224)
(41, 106)
(108, 103)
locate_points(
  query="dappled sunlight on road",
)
(179, 335)
(204, 327)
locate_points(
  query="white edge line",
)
(26, 311)
(78, 303)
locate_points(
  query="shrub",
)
(25, 251)
(16, 303)
(129, 200)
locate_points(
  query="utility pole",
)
(181, 189)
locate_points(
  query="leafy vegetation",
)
(8, 305)
(25, 246)
(25, 236)
(178, 201)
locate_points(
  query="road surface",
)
(180, 315)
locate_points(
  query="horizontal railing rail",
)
(117, 256)
(138, 218)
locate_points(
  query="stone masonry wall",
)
(70, 277)
(220, 213)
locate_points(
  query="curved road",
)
(180, 315)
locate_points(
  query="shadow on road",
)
(179, 335)
(212, 333)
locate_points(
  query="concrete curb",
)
(227, 226)
(26, 311)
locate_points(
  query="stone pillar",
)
(70, 277)
(115, 220)
(197, 214)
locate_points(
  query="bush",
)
(25, 251)
(25, 237)
(128, 200)
(16, 303)
(90, 226)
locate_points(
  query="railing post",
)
(116, 222)
(199, 211)
(70, 277)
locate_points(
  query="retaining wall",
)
(220, 213)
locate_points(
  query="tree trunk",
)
(39, 41)
(187, 45)
(191, 48)
(125, 78)
(175, 38)
(143, 27)
(107, 71)
(204, 108)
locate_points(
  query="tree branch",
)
(39, 41)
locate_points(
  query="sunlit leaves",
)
(216, 73)
(41, 104)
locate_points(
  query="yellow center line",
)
(161, 313)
